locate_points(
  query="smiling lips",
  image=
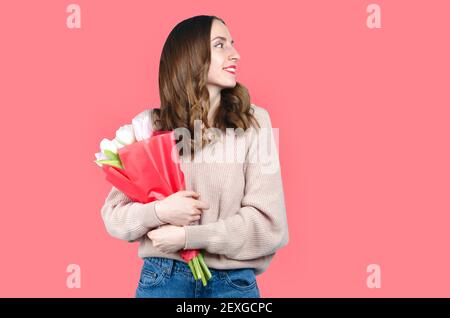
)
(231, 69)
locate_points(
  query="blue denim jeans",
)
(168, 278)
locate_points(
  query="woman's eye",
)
(219, 44)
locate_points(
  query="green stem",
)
(204, 280)
(203, 277)
(204, 266)
(197, 268)
(191, 266)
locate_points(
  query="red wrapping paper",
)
(151, 171)
(148, 173)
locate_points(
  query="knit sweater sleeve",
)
(126, 219)
(259, 228)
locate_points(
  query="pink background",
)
(364, 138)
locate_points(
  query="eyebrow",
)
(222, 38)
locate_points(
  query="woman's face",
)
(223, 54)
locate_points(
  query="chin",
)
(230, 84)
(225, 84)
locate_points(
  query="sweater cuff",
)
(148, 215)
(197, 236)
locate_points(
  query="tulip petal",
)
(142, 125)
(125, 135)
(100, 156)
(108, 144)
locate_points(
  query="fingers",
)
(188, 193)
(193, 219)
(201, 204)
(196, 203)
(196, 211)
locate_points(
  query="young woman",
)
(232, 209)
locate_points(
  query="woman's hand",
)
(168, 238)
(180, 208)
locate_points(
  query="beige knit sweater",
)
(246, 222)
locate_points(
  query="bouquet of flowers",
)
(144, 164)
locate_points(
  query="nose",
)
(235, 55)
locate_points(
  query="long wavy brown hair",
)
(183, 74)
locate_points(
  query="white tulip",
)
(125, 135)
(107, 144)
(117, 143)
(142, 125)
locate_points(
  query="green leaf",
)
(113, 163)
(111, 155)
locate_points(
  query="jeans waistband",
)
(168, 265)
